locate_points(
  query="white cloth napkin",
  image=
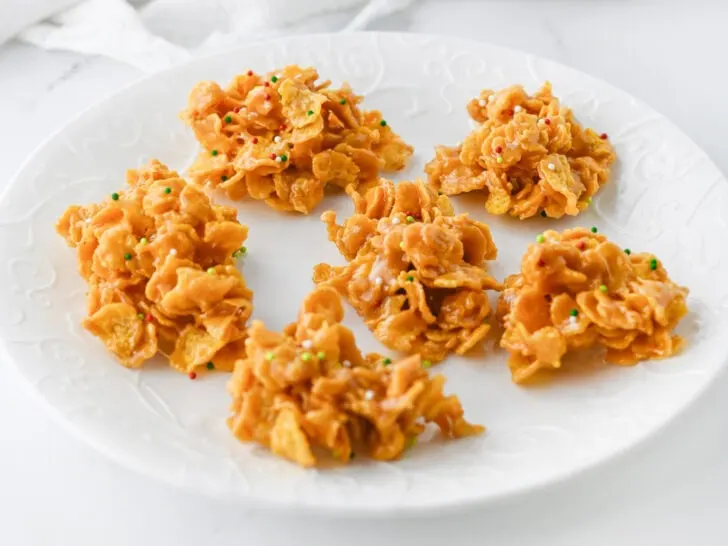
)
(161, 33)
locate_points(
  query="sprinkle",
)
(173, 252)
(517, 108)
(309, 113)
(321, 355)
(127, 256)
(541, 263)
(412, 442)
(383, 123)
(282, 127)
(369, 395)
(547, 121)
(274, 79)
(167, 190)
(255, 140)
(426, 364)
(223, 178)
(236, 109)
(574, 312)
(228, 119)
(267, 97)
(653, 264)
(499, 159)
(193, 375)
(603, 136)
(149, 317)
(594, 229)
(481, 103)
(588, 200)
(551, 167)
(543, 214)
(540, 238)
(269, 356)
(491, 97)
(266, 84)
(88, 220)
(278, 159)
(250, 72)
(144, 241)
(307, 344)
(214, 153)
(580, 245)
(210, 270)
(409, 219)
(627, 251)
(272, 156)
(210, 365)
(115, 196)
(573, 321)
(342, 101)
(378, 281)
(410, 278)
(284, 157)
(387, 361)
(603, 288)
(498, 149)
(395, 221)
(140, 316)
(306, 356)
(277, 139)
(346, 364)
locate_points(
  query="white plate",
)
(666, 197)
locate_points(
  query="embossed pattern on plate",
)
(666, 197)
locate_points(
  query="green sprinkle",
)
(210, 365)
(127, 256)
(144, 241)
(383, 123)
(412, 442)
(309, 113)
(321, 355)
(574, 312)
(589, 201)
(243, 250)
(223, 178)
(387, 361)
(540, 238)
(115, 196)
(228, 119)
(409, 219)
(653, 264)
(274, 79)
(594, 229)
(213, 153)
(269, 356)
(342, 101)
(426, 364)
(284, 157)
(499, 159)
(627, 251)
(543, 213)
(140, 315)
(603, 288)
(210, 270)
(410, 278)
(306, 356)
(167, 190)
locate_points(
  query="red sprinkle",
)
(193, 375)
(250, 72)
(272, 156)
(282, 127)
(580, 245)
(255, 140)
(149, 317)
(498, 149)
(603, 136)
(541, 263)
(266, 84)
(267, 97)
(547, 121)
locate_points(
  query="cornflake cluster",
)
(283, 137)
(529, 156)
(577, 290)
(310, 387)
(416, 273)
(158, 260)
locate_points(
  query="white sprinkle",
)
(573, 320)
(491, 98)
(481, 102)
(517, 108)
(88, 220)
(368, 395)
(277, 139)
(173, 252)
(307, 343)
(378, 281)
(395, 221)
(278, 159)
(346, 364)
(552, 167)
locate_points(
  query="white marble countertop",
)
(670, 491)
